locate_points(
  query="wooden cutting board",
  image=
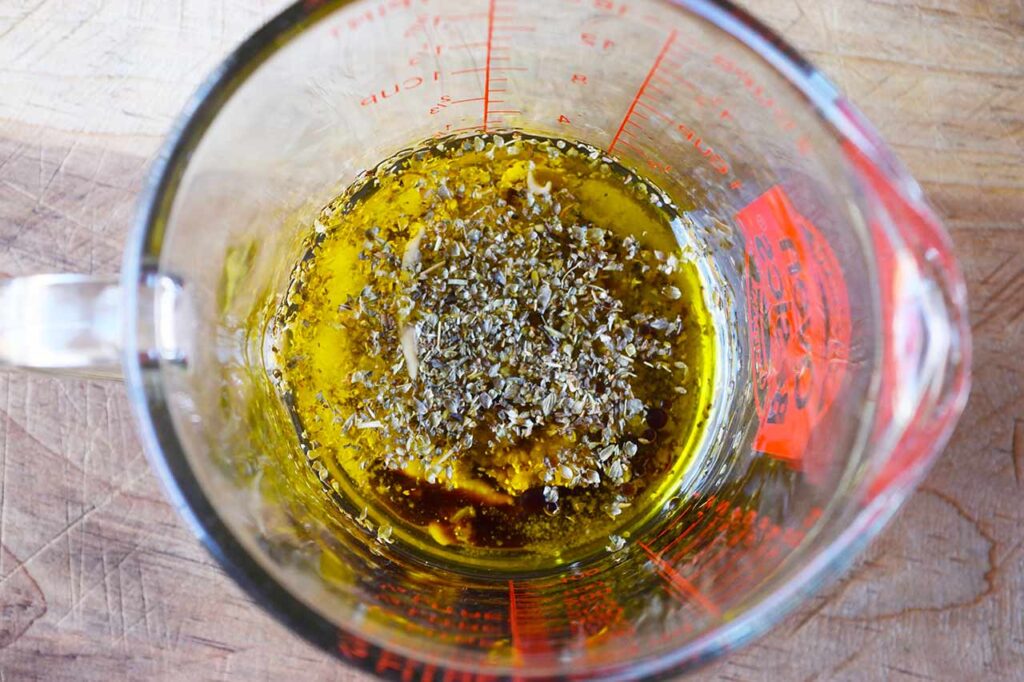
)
(101, 580)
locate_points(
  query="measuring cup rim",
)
(167, 454)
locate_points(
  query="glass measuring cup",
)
(840, 320)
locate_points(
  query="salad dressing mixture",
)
(497, 347)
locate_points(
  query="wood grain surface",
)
(100, 580)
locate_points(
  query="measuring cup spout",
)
(924, 374)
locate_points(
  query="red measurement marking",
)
(680, 80)
(605, 6)
(386, 92)
(713, 526)
(785, 122)
(735, 532)
(631, 146)
(764, 551)
(420, 23)
(442, 103)
(592, 40)
(679, 519)
(592, 610)
(654, 92)
(464, 17)
(470, 99)
(379, 11)
(528, 624)
(487, 87)
(643, 86)
(513, 624)
(488, 69)
(711, 510)
(679, 582)
(682, 535)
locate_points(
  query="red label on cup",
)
(799, 319)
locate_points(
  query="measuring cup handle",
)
(62, 324)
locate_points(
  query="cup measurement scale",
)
(467, 72)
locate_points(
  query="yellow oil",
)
(496, 515)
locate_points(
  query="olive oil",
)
(496, 347)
